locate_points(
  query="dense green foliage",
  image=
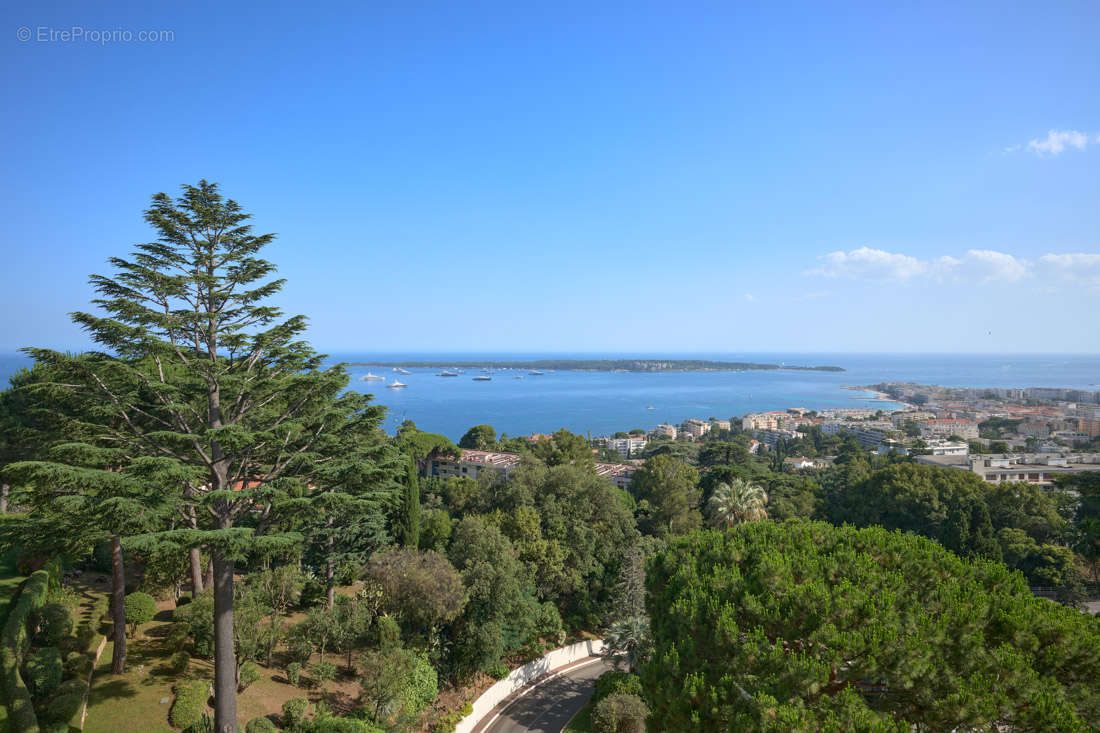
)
(190, 703)
(620, 712)
(804, 626)
(140, 609)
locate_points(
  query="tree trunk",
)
(196, 571)
(118, 606)
(225, 657)
(330, 570)
(208, 579)
(4, 489)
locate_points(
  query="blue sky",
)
(629, 177)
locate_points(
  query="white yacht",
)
(368, 377)
(396, 385)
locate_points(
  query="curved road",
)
(549, 706)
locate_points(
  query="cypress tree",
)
(409, 519)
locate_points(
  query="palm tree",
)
(736, 502)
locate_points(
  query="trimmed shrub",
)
(249, 674)
(338, 725)
(617, 681)
(140, 609)
(294, 673)
(260, 725)
(179, 662)
(190, 704)
(78, 664)
(322, 672)
(619, 713)
(294, 712)
(55, 622)
(43, 669)
(15, 643)
(62, 707)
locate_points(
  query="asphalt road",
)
(548, 707)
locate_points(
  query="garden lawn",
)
(582, 721)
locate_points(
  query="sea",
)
(601, 403)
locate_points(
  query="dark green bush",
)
(294, 712)
(322, 672)
(249, 674)
(294, 673)
(260, 725)
(140, 609)
(190, 704)
(199, 615)
(617, 681)
(337, 725)
(55, 623)
(178, 635)
(179, 662)
(619, 713)
(62, 707)
(78, 664)
(43, 672)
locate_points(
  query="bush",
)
(260, 725)
(322, 672)
(43, 670)
(294, 712)
(190, 704)
(62, 708)
(177, 635)
(619, 713)
(299, 649)
(294, 673)
(422, 685)
(14, 646)
(338, 725)
(78, 664)
(616, 681)
(140, 609)
(55, 623)
(179, 662)
(249, 674)
(199, 615)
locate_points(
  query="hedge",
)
(190, 704)
(16, 641)
(43, 672)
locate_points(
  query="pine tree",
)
(216, 382)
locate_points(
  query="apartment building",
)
(473, 462)
(967, 429)
(1034, 468)
(696, 428)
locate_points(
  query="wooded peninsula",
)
(605, 365)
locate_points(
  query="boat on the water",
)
(396, 385)
(483, 378)
(446, 373)
(368, 377)
(403, 371)
(519, 376)
(651, 407)
(536, 372)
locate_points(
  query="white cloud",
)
(1057, 141)
(987, 265)
(870, 264)
(1079, 267)
(976, 266)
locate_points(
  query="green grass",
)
(582, 721)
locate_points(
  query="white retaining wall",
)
(525, 675)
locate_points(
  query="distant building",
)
(618, 473)
(1034, 468)
(473, 462)
(626, 447)
(665, 429)
(948, 448)
(696, 428)
(720, 424)
(930, 429)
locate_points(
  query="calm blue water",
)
(601, 402)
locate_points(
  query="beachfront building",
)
(665, 429)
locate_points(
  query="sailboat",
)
(368, 377)
(396, 385)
